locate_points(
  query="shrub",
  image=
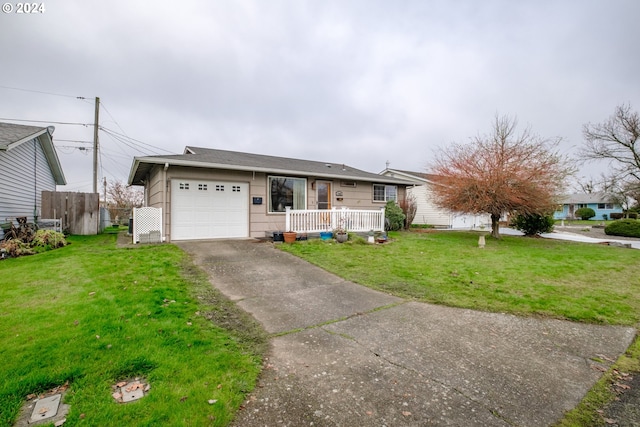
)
(632, 215)
(616, 215)
(409, 208)
(585, 213)
(532, 225)
(623, 227)
(15, 248)
(394, 218)
(48, 239)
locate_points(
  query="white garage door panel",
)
(209, 209)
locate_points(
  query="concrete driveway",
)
(345, 355)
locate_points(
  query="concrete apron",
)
(345, 355)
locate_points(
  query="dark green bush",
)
(394, 216)
(532, 225)
(585, 213)
(623, 227)
(632, 215)
(616, 215)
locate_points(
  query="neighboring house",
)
(427, 211)
(29, 165)
(601, 203)
(206, 193)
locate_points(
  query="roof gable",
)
(420, 176)
(12, 135)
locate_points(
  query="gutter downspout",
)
(164, 202)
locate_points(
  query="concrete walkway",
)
(344, 355)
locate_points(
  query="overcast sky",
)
(355, 82)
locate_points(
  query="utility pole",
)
(95, 145)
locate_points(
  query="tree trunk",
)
(495, 226)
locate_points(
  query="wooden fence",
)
(78, 212)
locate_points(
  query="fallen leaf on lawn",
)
(189, 323)
(147, 387)
(212, 401)
(31, 396)
(91, 293)
(97, 337)
(117, 395)
(43, 410)
(82, 416)
(406, 413)
(60, 422)
(183, 398)
(622, 386)
(219, 386)
(121, 384)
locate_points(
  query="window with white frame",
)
(384, 193)
(605, 205)
(286, 191)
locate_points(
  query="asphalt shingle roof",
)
(234, 160)
(11, 133)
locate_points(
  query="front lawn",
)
(575, 281)
(91, 315)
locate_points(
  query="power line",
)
(128, 141)
(43, 92)
(73, 140)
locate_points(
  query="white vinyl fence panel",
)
(147, 225)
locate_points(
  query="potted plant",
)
(290, 236)
(340, 233)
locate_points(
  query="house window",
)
(285, 191)
(384, 193)
(235, 188)
(219, 187)
(202, 187)
(184, 185)
(605, 205)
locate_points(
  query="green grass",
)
(92, 315)
(525, 276)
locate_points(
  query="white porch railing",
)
(316, 220)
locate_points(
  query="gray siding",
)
(24, 175)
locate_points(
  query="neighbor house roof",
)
(12, 135)
(421, 176)
(587, 198)
(234, 160)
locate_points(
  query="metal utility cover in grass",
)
(132, 391)
(45, 408)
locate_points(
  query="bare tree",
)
(121, 199)
(501, 173)
(409, 206)
(615, 140)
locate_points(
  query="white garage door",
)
(209, 209)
